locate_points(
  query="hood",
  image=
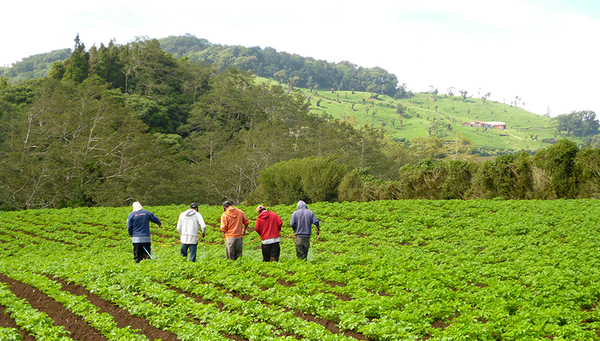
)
(301, 205)
(263, 215)
(190, 212)
(232, 212)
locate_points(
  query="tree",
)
(558, 164)
(463, 94)
(57, 71)
(508, 177)
(486, 97)
(400, 108)
(280, 76)
(451, 91)
(77, 65)
(577, 123)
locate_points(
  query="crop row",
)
(389, 270)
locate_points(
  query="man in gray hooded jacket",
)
(302, 220)
(188, 226)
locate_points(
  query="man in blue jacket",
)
(302, 220)
(138, 226)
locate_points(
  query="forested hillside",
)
(35, 66)
(117, 123)
(291, 69)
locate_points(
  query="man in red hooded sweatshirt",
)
(234, 224)
(268, 227)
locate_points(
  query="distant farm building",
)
(489, 125)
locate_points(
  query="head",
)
(137, 206)
(301, 205)
(194, 206)
(260, 208)
(227, 204)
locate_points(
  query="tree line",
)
(287, 68)
(117, 123)
(561, 171)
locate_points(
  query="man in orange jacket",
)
(234, 224)
(268, 226)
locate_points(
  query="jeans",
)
(302, 245)
(192, 247)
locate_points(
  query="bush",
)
(312, 179)
(508, 177)
(358, 185)
(558, 161)
(437, 180)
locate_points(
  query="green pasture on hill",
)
(525, 130)
(386, 270)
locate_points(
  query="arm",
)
(257, 227)
(155, 220)
(223, 224)
(316, 223)
(245, 222)
(202, 225)
(179, 223)
(293, 222)
(279, 223)
(129, 226)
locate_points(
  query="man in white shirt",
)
(188, 226)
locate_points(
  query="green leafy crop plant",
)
(389, 270)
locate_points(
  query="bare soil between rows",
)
(78, 328)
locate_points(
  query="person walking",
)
(268, 226)
(188, 226)
(138, 227)
(233, 224)
(302, 220)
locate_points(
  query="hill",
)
(35, 66)
(425, 114)
(359, 95)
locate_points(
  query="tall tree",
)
(77, 65)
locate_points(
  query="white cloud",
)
(508, 47)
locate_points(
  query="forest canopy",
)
(116, 123)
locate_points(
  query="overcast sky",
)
(543, 51)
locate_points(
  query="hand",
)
(203, 234)
(318, 232)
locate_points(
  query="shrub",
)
(438, 179)
(358, 185)
(508, 177)
(311, 179)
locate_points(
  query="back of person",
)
(232, 222)
(268, 225)
(188, 226)
(302, 219)
(139, 223)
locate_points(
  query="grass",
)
(525, 130)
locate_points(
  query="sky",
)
(545, 52)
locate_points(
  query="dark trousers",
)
(271, 252)
(302, 245)
(139, 253)
(192, 248)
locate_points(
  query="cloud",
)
(540, 53)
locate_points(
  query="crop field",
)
(388, 270)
